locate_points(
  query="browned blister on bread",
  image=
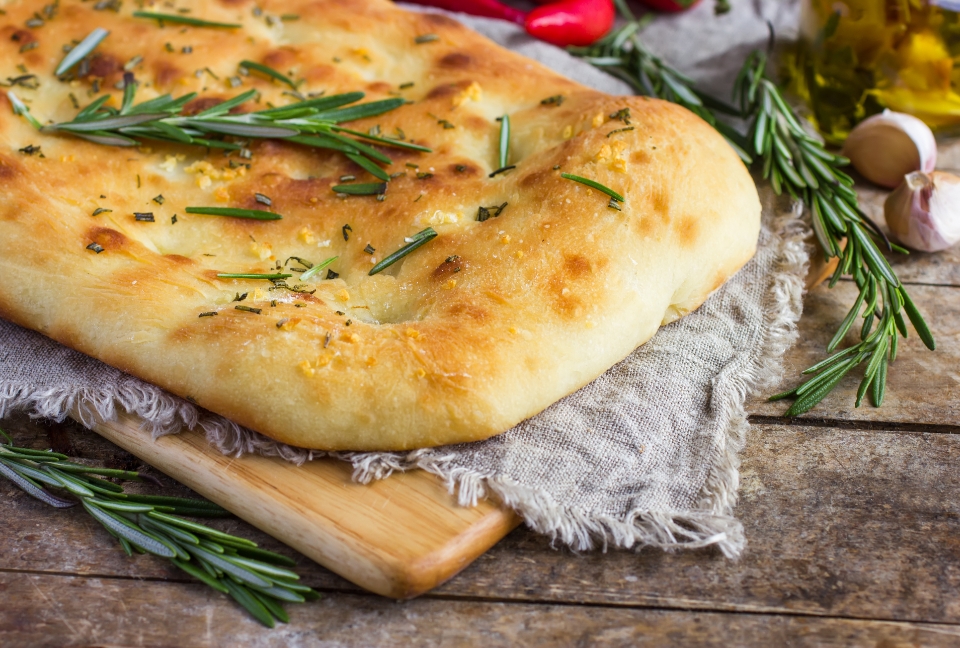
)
(483, 326)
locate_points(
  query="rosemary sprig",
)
(796, 162)
(84, 48)
(254, 577)
(622, 54)
(312, 122)
(183, 20)
(415, 241)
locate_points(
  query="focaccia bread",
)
(481, 327)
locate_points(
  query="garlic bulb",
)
(924, 211)
(886, 147)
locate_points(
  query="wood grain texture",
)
(397, 537)
(838, 522)
(75, 611)
(921, 385)
(845, 523)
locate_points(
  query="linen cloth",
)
(646, 455)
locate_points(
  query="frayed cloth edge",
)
(160, 413)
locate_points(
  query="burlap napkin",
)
(644, 455)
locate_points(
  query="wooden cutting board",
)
(398, 537)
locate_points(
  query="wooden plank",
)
(839, 522)
(49, 610)
(850, 523)
(922, 385)
(398, 537)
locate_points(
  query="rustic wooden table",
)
(852, 517)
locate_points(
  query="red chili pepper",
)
(485, 8)
(563, 23)
(571, 22)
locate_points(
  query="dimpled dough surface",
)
(480, 328)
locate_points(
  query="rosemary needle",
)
(269, 71)
(252, 275)
(312, 272)
(593, 184)
(415, 241)
(504, 141)
(85, 46)
(255, 214)
(361, 188)
(183, 20)
(19, 108)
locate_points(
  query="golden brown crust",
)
(482, 327)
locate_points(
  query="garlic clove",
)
(886, 147)
(924, 211)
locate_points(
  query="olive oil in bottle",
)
(857, 57)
